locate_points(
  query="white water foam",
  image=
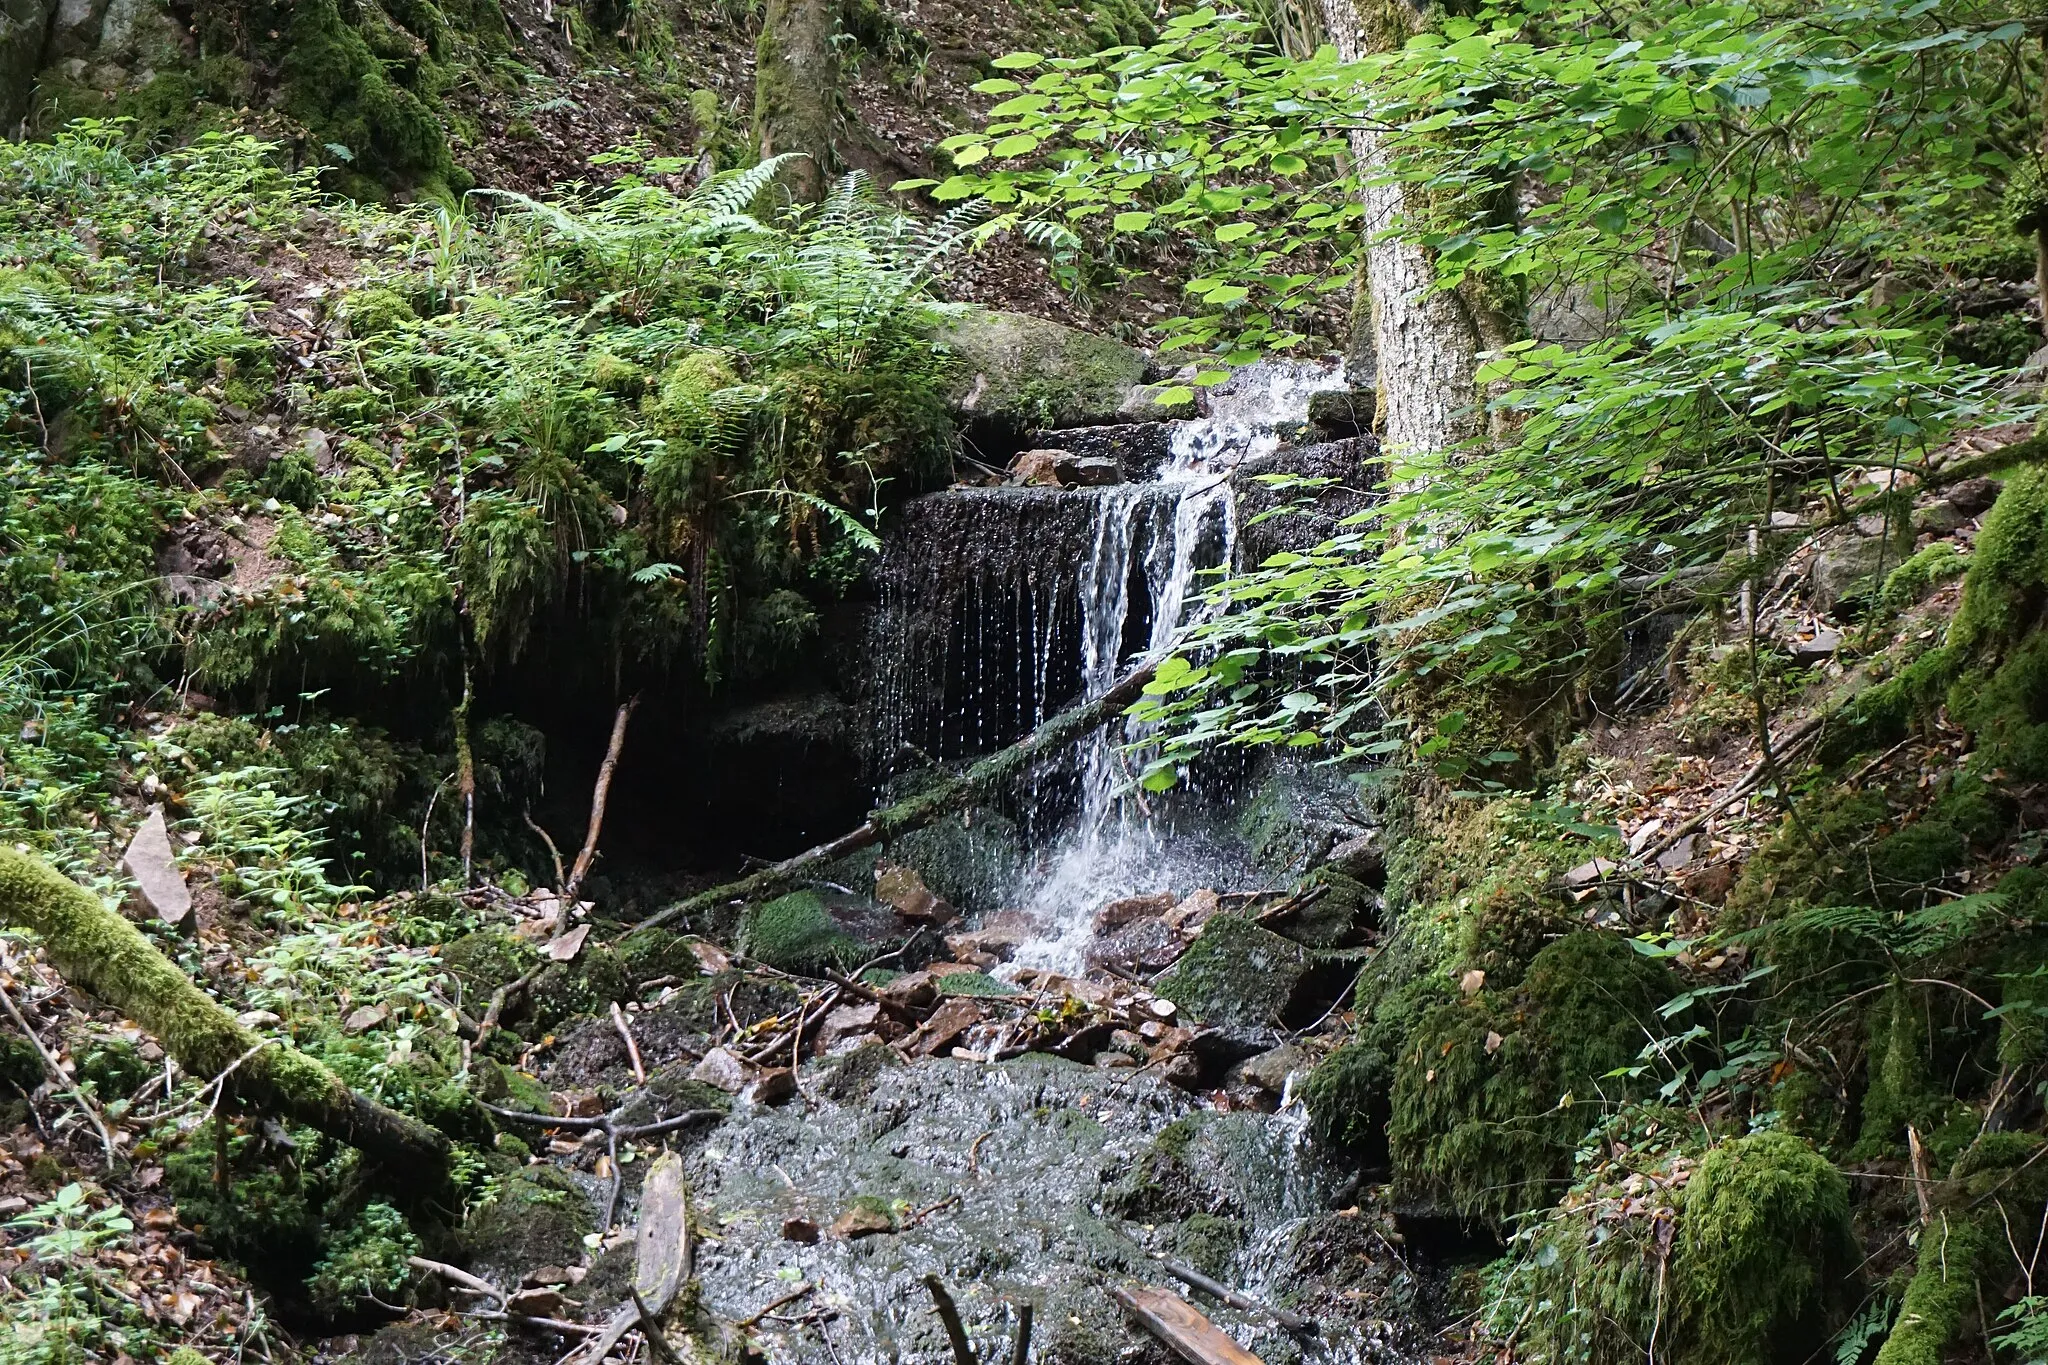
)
(1166, 533)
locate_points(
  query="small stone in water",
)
(799, 1230)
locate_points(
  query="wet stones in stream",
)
(1034, 1180)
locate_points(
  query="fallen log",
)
(99, 952)
(1179, 1325)
(980, 781)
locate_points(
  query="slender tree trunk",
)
(796, 92)
(1421, 349)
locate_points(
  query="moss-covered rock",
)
(1025, 373)
(1742, 1256)
(539, 1218)
(1236, 974)
(1485, 1111)
(808, 933)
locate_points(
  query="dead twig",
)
(753, 1319)
(57, 1075)
(458, 1277)
(588, 853)
(650, 1328)
(931, 1209)
(561, 875)
(1021, 1353)
(632, 1048)
(949, 1314)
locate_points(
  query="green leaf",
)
(1131, 222)
(1017, 144)
(1017, 61)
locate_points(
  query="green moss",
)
(1927, 569)
(1902, 1089)
(539, 1218)
(1207, 1241)
(376, 311)
(364, 1262)
(486, 960)
(797, 933)
(21, 1066)
(1484, 1112)
(1766, 1254)
(1750, 1261)
(114, 1068)
(1347, 1099)
(1236, 974)
(974, 983)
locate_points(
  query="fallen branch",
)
(99, 952)
(1021, 1354)
(57, 1075)
(1292, 1321)
(949, 1314)
(459, 1277)
(980, 780)
(602, 793)
(1782, 749)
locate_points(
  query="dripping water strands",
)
(1141, 587)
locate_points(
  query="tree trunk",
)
(957, 793)
(102, 954)
(796, 92)
(1424, 342)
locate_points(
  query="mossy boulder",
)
(586, 984)
(1484, 1115)
(486, 960)
(810, 933)
(1744, 1255)
(539, 1218)
(1237, 975)
(1024, 373)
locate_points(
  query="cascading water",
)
(1002, 604)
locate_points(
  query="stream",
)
(1042, 1179)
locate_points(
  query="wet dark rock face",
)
(1321, 512)
(1060, 1178)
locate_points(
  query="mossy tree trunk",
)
(796, 92)
(102, 954)
(1423, 344)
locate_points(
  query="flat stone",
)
(844, 1023)
(1118, 913)
(1270, 1070)
(1145, 943)
(1973, 497)
(155, 868)
(903, 890)
(723, 1069)
(861, 1221)
(948, 1022)
(1826, 642)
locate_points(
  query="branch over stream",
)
(101, 953)
(956, 793)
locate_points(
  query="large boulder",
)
(1237, 975)
(24, 29)
(1023, 372)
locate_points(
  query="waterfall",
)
(1000, 605)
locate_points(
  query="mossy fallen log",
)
(102, 954)
(981, 780)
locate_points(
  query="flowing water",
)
(1005, 604)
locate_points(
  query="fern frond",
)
(730, 192)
